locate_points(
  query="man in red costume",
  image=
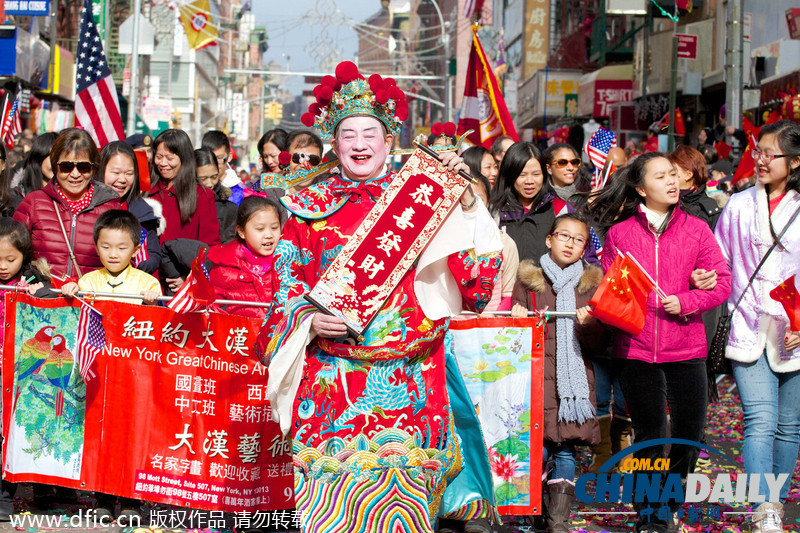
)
(372, 432)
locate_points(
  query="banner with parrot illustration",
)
(502, 363)
(177, 412)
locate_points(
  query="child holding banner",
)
(242, 268)
(663, 367)
(564, 283)
(116, 237)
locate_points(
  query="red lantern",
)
(791, 108)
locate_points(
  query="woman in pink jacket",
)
(764, 351)
(664, 366)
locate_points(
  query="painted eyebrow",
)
(353, 131)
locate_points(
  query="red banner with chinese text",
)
(388, 241)
(178, 414)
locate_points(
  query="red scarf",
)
(78, 205)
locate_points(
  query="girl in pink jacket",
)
(664, 366)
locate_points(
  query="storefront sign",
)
(537, 36)
(27, 7)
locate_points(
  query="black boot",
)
(562, 494)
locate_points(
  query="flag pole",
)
(91, 294)
(653, 281)
(540, 312)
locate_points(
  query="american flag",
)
(598, 246)
(142, 254)
(12, 123)
(197, 291)
(90, 341)
(96, 102)
(597, 149)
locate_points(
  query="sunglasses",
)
(313, 160)
(561, 163)
(84, 167)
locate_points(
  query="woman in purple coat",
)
(664, 366)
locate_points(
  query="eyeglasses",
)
(84, 167)
(565, 237)
(757, 154)
(561, 163)
(299, 157)
(222, 158)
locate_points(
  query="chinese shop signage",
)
(178, 413)
(386, 244)
(537, 36)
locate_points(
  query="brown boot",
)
(602, 451)
(621, 432)
(562, 494)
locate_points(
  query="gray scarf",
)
(571, 382)
(565, 193)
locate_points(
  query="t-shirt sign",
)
(27, 7)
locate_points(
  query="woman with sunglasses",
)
(61, 215)
(567, 175)
(525, 204)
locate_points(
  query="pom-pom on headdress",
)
(349, 94)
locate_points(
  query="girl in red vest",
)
(242, 269)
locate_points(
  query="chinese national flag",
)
(483, 109)
(680, 127)
(787, 295)
(621, 298)
(723, 149)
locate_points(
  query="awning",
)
(773, 89)
(604, 87)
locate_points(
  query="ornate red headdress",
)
(349, 94)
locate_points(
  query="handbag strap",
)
(764, 260)
(66, 240)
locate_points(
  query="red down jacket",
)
(233, 280)
(39, 214)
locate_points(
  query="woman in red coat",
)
(242, 269)
(61, 215)
(188, 206)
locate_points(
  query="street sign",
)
(687, 46)
(747, 30)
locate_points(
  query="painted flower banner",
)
(178, 413)
(502, 363)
